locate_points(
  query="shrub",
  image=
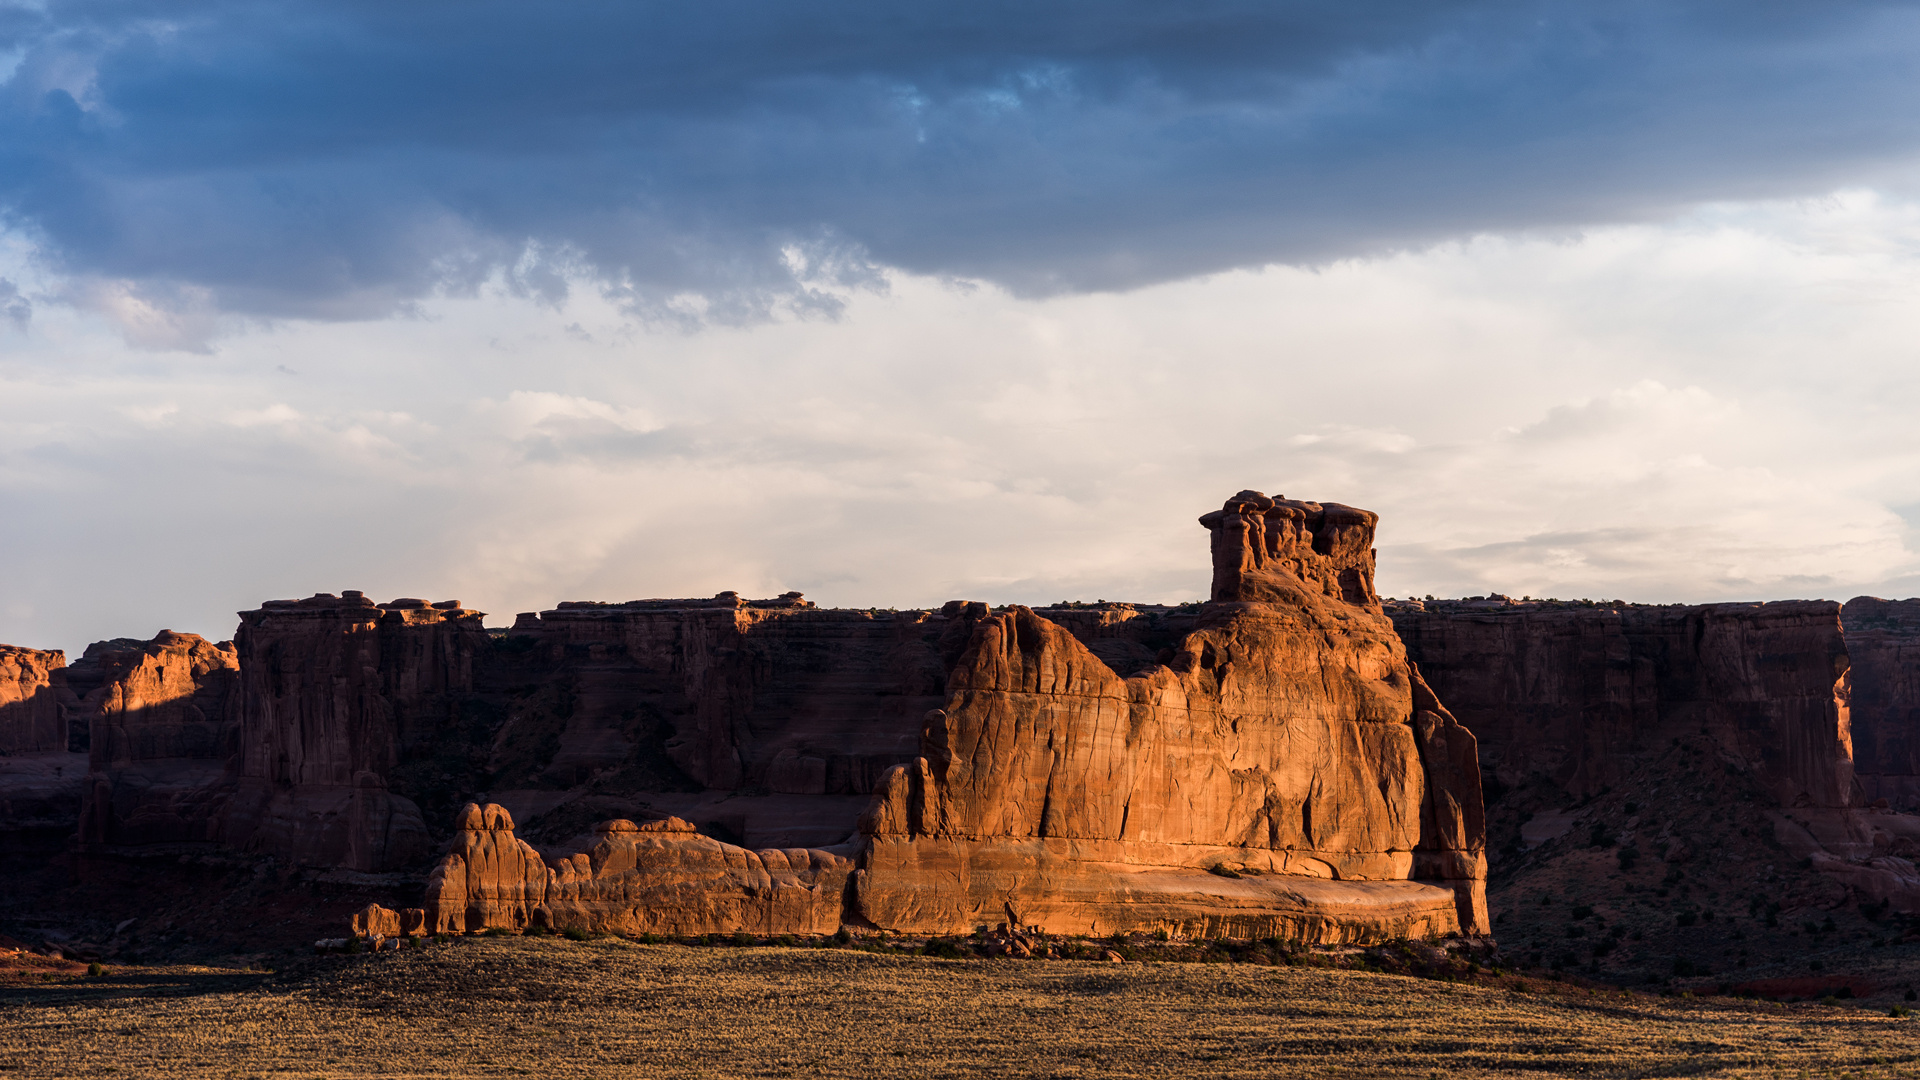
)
(416, 942)
(1584, 911)
(1684, 968)
(743, 939)
(1686, 918)
(539, 930)
(1600, 837)
(1162, 935)
(649, 938)
(1899, 1011)
(355, 945)
(1911, 996)
(842, 936)
(944, 948)
(1628, 856)
(94, 969)
(574, 933)
(497, 931)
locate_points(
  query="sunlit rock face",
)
(659, 876)
(1285, 741)
(33, 714)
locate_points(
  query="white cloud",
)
(1716, 408)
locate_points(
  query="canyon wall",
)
(163, 720)
(1883, 641)
(42, 772)
(336, 691)
(1578, 694)
(33, 715)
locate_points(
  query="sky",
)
(895, 303)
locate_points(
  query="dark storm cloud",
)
(335, 159)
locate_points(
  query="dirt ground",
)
(549, 1007)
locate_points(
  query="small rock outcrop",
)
(655, 877)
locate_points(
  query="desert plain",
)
(552, 1007)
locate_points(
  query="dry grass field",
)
(549, 1007)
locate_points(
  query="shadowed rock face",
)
(334, 689)
(1286, 740)
(164, 721)
(1578, 695)
(1883, 642)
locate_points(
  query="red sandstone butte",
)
(1283, 772)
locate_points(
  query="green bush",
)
(743, 939)
(574, 933)
(94, 969)
(649, 939)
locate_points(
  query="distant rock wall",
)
(33, 716)
(164, 722)
(1883, 641)
(334, 691)
(1577, 694)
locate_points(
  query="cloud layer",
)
(726, 161)
(1718, 408)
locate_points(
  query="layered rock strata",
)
(1282, 772)
(656, 877)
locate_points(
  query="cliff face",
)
(1285, 741)
(334, 692)
(774, 694)
(1579, 696)
(1883, 640)
(163, 723)
(33, 716)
